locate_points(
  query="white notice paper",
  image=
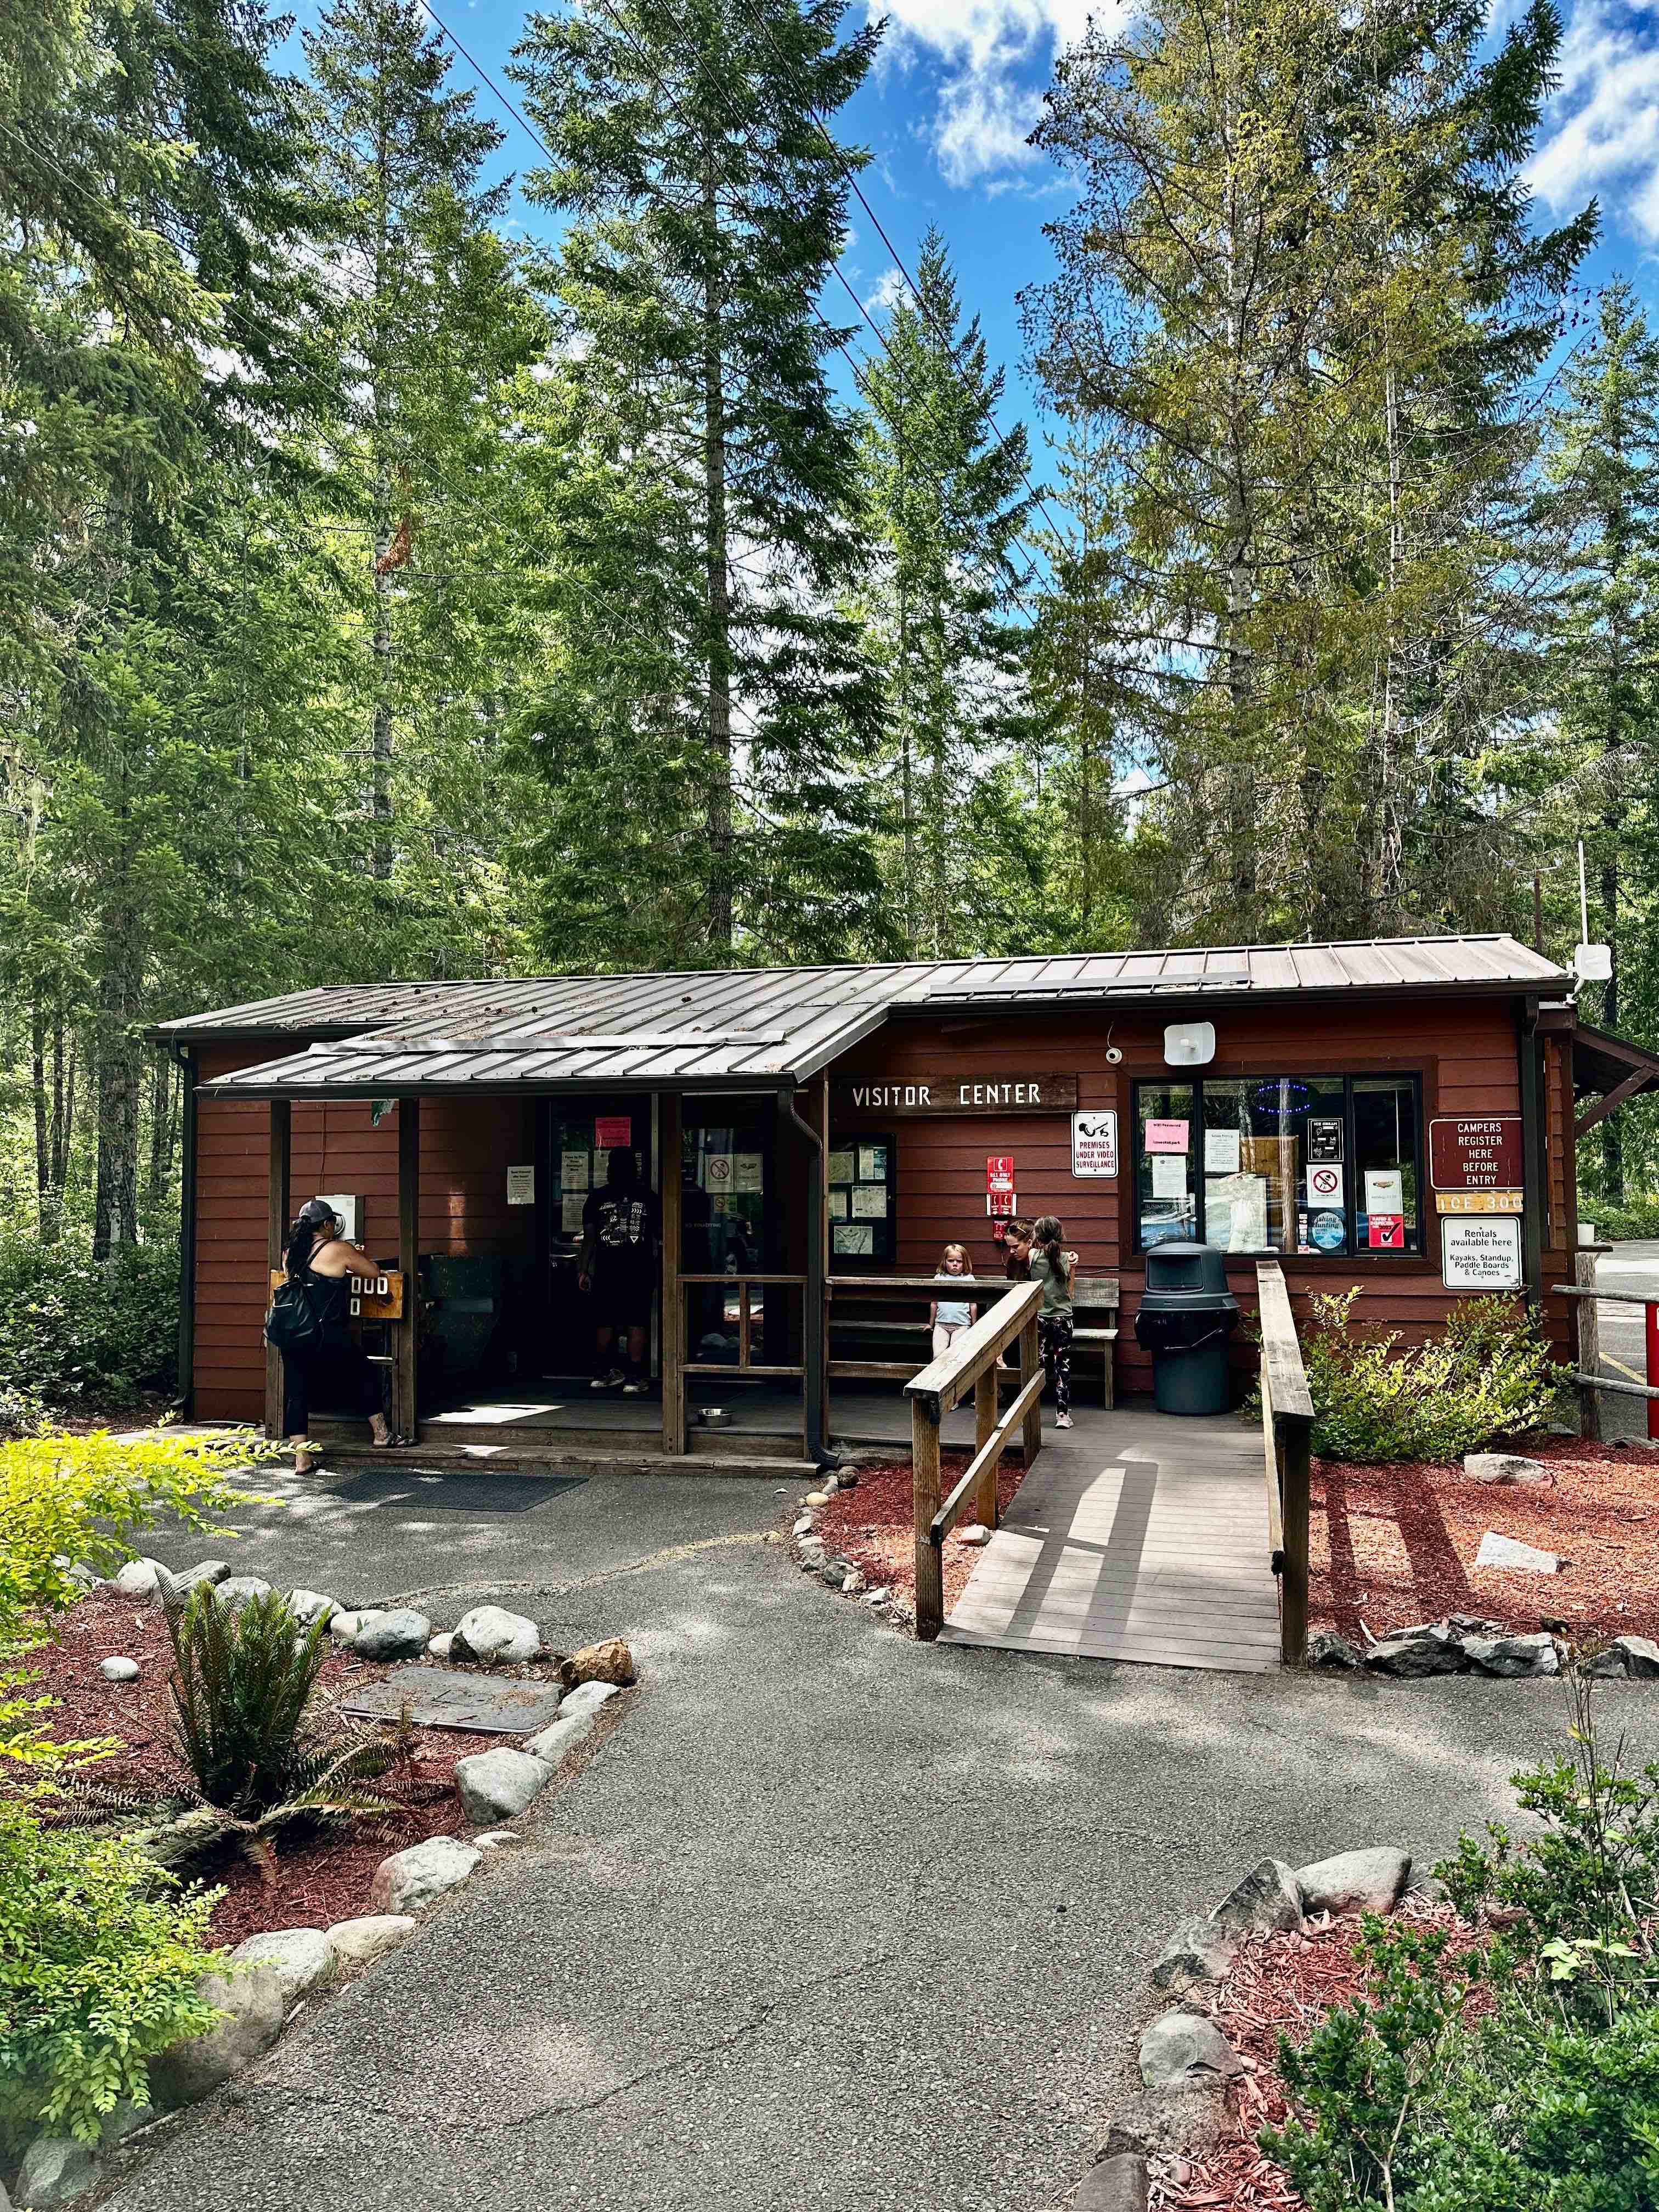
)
(853, 1237)
(746, 1169)
(1236, 1212)
(873, 1162)
(573, 1171)
(571, 1216)
(870, 1201)
(1169, 1174)
(841, 1168)
(521, 1186)
(1221, 1151)
(1384, 1191)
(838, 1206)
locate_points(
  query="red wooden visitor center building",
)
(1398, 1114)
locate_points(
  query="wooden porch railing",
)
(1287, 1416)
(744, 1365)
(971, 1363)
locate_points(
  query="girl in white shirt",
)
(947, 1316)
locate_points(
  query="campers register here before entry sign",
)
(968, 1094)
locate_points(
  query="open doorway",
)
(579, 1136)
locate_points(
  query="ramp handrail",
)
(1288, 1417)
(969, 1362)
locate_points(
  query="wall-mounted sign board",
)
(1478, 1201)
(1475, 1153)
(1023, 1093)
(1094, 1143)
(1480, 1252)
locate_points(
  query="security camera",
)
(1113, 1055)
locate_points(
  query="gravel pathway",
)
(831, 1920)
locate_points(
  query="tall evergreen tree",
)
(707, 206)
(946, 505)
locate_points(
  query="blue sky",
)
(959, 86)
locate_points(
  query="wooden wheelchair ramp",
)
(1138, 1536)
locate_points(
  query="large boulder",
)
(493, 1637)
(56, 2169)
(357, 1942)
(1509, 1552)
(238, 1590)
(1371, 1881)
(1327, 1648)
(309, 1607)
(346, 1627)
(1504, 1469)
(1267, 1899)
(1185, 2051)
(552, 1744)
(1637, 1656)
(254, 2004)
(497, 1785)
(610, 1662)
(400, 1634)
(304, 1959)
(418, 1876)
(1198, 1951)
(1415, 1652)
(136, 1579)
(1514, 1655)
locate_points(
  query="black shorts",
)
(621, 1297)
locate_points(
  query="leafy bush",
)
(248, 1725)
(99, 1956)
(67, 1498)
(1489, 1375)
(73, 1327)
(1522, 2073)
(1615, 1224)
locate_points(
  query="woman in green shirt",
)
(1047, 1263)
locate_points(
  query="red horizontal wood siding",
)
(466, 1146)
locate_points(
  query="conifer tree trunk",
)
(42, 1131)
(719, 588)
(115, 1221)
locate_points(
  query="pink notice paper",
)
(613, 1129)
(1167, 1137)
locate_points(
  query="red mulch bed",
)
(1391, 1545)
(319, 1879)
(874, 1525)
(1278, 1985)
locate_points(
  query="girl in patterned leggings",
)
(1052, 1266)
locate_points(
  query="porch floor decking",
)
(1139, 1535)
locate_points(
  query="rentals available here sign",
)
(1475, 1153)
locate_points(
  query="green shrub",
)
(1488, 1376)
(72, 1328)
(1542, 2093)
(99, 1956)
(1615, 1224)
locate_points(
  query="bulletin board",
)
(861, 1187)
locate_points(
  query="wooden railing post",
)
(985, 1427)
(1590, 1342)
(930, 1559)
(1293, 1431)
(276, 1219)
(408, 1340)
(1030, 1361)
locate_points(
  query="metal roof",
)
(760, 1027)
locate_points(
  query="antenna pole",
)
(1583, 901)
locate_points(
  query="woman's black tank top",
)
(330, 1299)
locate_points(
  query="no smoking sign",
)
(1325, 1184)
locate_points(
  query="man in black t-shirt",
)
(622, 1225)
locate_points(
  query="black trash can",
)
(1187, 1315)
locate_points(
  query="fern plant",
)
(258, 1742)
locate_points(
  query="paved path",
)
(1139, 1535)
(833, 1920)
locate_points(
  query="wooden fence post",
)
(1590, 1342)
(1293, 1432)
(985, 1427)
(408, 1341)
(1031, 1429)
(276, 1220)
(930, 1562)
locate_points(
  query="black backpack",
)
(293, 1325)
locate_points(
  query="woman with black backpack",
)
(315, 1305)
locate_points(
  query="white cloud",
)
(997, 55)
(1601, 128)
(890, 289)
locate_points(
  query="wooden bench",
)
(1097, 1294)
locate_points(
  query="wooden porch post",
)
(985, 1427)
(406, 1415)
(673, 1296)
(930, 1559)
(276, 1220)
(820, 1229)
(1030, 1361)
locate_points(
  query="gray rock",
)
(493, 1637)
(1188, 2123)
(303, 1960)
(1504, 1468)
(118, 1670)
(400, 1634)
(411, 1879)
(1267, 1899)
(588, 1698)
(346, 1627)
(975, 1534)
(1514, 1655)
(1371, 1881)
(357, 1942)
(811, 1560)
(1417, 1652)
(56, 2169)
(1641, 1658)
(1498, 1551)
(878, 1597)
(1198, 1951)
(805, 1525)
(493, 1838)
(238, 1590)
(309, 1607)
(136, 1579)
(124, 2118)
(552, 1744)
(836, 1573)
(497, 1785)
(254, 2009)
(1184, 2051)
(1473, 1623)
(1119, 2183)
(1327, 1648)
(205, 1570)
(440, 1646)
